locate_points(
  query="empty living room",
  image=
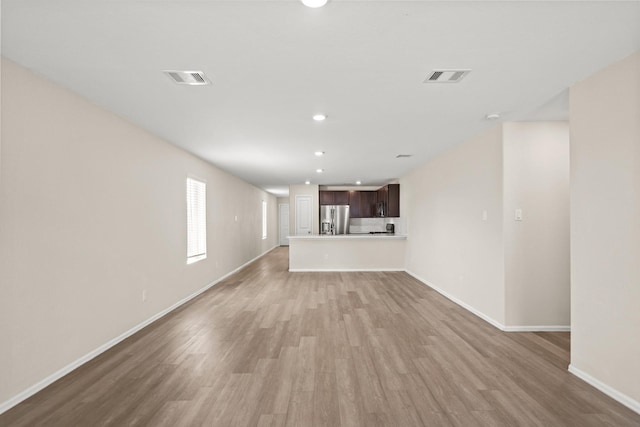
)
(319, 213)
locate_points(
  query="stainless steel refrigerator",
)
(334, 219)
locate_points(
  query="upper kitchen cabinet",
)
(341, 197)
(368, 204)
(362, 204)
(389, 196)
(354, 204)
(382, 195)
(393, 200)
(334, 197)
(327, 198)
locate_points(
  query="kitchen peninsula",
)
(347, 252)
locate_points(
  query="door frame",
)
(297, 213)
(281, 223)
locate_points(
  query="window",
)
(264, 219)
(196, 220)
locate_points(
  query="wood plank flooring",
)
(271, 348)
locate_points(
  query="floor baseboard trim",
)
(20, 397)
(552, 328)
(533, 328)
(462, 304)
(627, 401)
(346, 270)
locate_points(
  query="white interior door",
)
(283, 210)
(303, 215)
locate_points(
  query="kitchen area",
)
(358, 230)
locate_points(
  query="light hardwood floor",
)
(271, 348)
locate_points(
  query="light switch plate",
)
(518, 215)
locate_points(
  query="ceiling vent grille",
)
(193, 78)
(403, 156)
(446, 76)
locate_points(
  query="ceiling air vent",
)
(193, 78)
(403, 156)
(446, 76)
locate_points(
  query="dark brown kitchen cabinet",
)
(354, 204)
(334, 197)
(382, 196)
(368, 201)
(389, 196)
(341, 197)
(362, 204)
(327, 198)
(393, 200)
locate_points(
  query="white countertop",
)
(366, 236)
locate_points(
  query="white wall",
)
(92, 212)
(449, 245)
(605, 228)
(536, 180)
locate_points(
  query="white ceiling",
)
(274, 64)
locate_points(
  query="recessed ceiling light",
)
(492, 116)
(319, 117)
(319, 153)
(319, 170)
(307, 182)
(314, 3)
(358, 182)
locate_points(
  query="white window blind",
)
(196, 220)
(264, 219)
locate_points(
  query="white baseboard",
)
(328, 270)
(459, 302)
(5, 406)
(535, 328)
(541, 328)
(627, 401)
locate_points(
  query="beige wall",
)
(449, 244)
(536, 180)
(605, 227)
(6, 340)
(92, 212)
(513, 274)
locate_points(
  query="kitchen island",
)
(347, 252)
